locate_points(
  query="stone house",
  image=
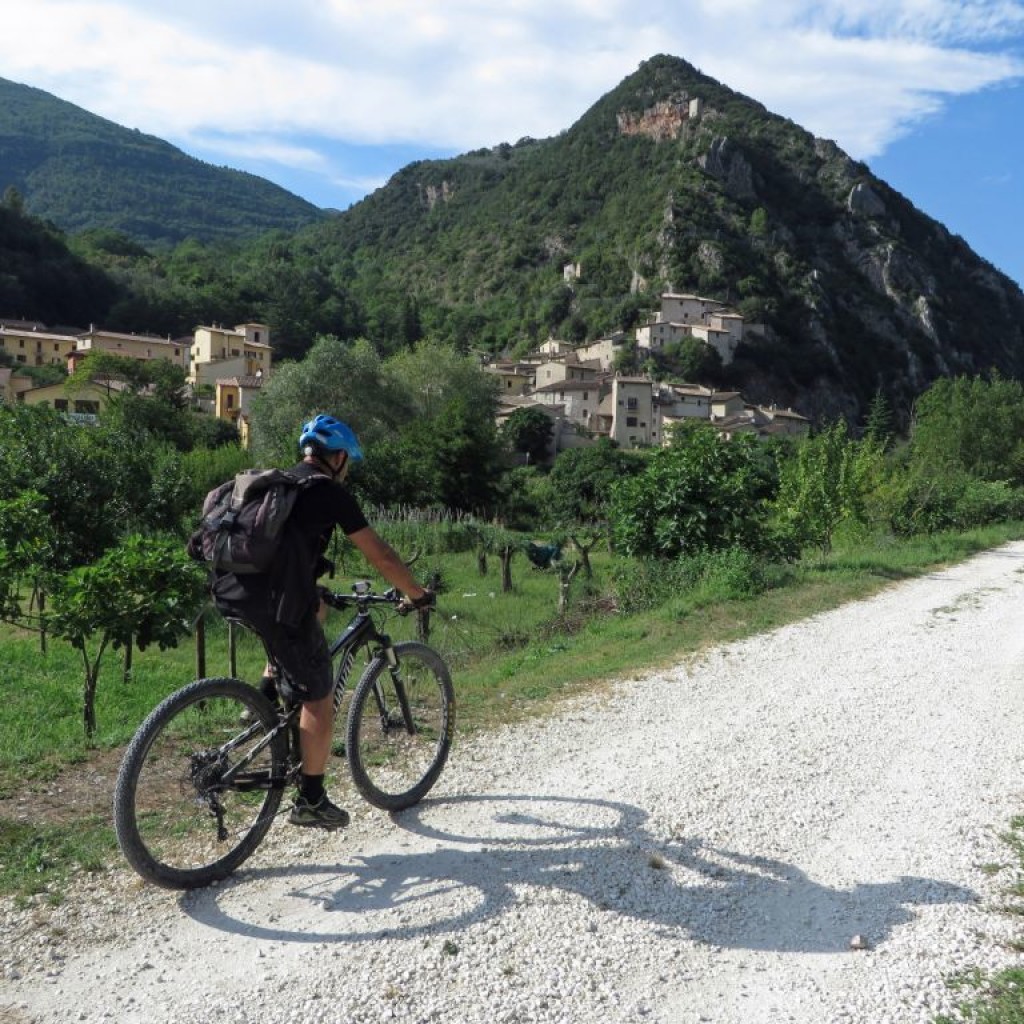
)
(132, 346)
(628, 413)
(683, 316)
(565, 369)
(513, 378)
(31, 344)
(579, 400)
(83, 405)
(220, 352)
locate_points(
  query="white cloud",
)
(464, 73)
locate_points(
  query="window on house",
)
(83, 405)
(630, 421)
(234, 352)
(56, 348)
(231, 401)
(632, 403)
(21, 359)
(586, 395)
(21, 343)
(256, 336)
(60, 404)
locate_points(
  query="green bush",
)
(917, 505)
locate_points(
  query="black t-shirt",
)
(319, 508)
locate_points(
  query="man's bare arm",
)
(383, 557)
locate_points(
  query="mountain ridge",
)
(862, 291)
(82, 171)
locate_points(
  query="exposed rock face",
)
(662, 122)
(726, 162)
(863, 201)
(434, 194)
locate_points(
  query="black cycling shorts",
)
(300, 651)
(302, 658)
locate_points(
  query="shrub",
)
(919, 505)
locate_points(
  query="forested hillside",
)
(669, 182)
(81, 171)
(860, 290)
(39, 275)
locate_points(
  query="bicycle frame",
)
(359, 632)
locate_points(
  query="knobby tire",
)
(172, 778)
(392, 768)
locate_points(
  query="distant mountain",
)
(83, 172)
(674, 182)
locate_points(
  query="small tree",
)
(529, 430)
(824, 484)
(583, 540)
(27, 542)
(702, 493)
(144, 588)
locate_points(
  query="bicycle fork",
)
(387, 721)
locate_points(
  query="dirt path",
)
(701, 846)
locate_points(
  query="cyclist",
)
(284, 606)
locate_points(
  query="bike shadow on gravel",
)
(437, 879)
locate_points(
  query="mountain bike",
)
(202, 780)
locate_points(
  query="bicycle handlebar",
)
(340, 600)
(363, 596)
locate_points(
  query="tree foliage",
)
(971, 424)
(824, 483)
(528, 431)
(424, 417)
(144, 591)
(582, 479)
(703, 493)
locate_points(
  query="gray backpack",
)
(244, 520)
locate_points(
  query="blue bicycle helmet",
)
(330, 434)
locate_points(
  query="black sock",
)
(311, 788)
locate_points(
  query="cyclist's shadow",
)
(597, 850)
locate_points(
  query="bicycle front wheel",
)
(200, 783)
(400, 726)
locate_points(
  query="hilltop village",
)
(578, 387)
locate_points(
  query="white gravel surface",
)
(700, 844)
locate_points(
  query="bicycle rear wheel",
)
(200, 783)
(400, 726)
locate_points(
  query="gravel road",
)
(698, 844)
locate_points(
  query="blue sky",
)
(330, 97)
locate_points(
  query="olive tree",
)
(144, 590)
